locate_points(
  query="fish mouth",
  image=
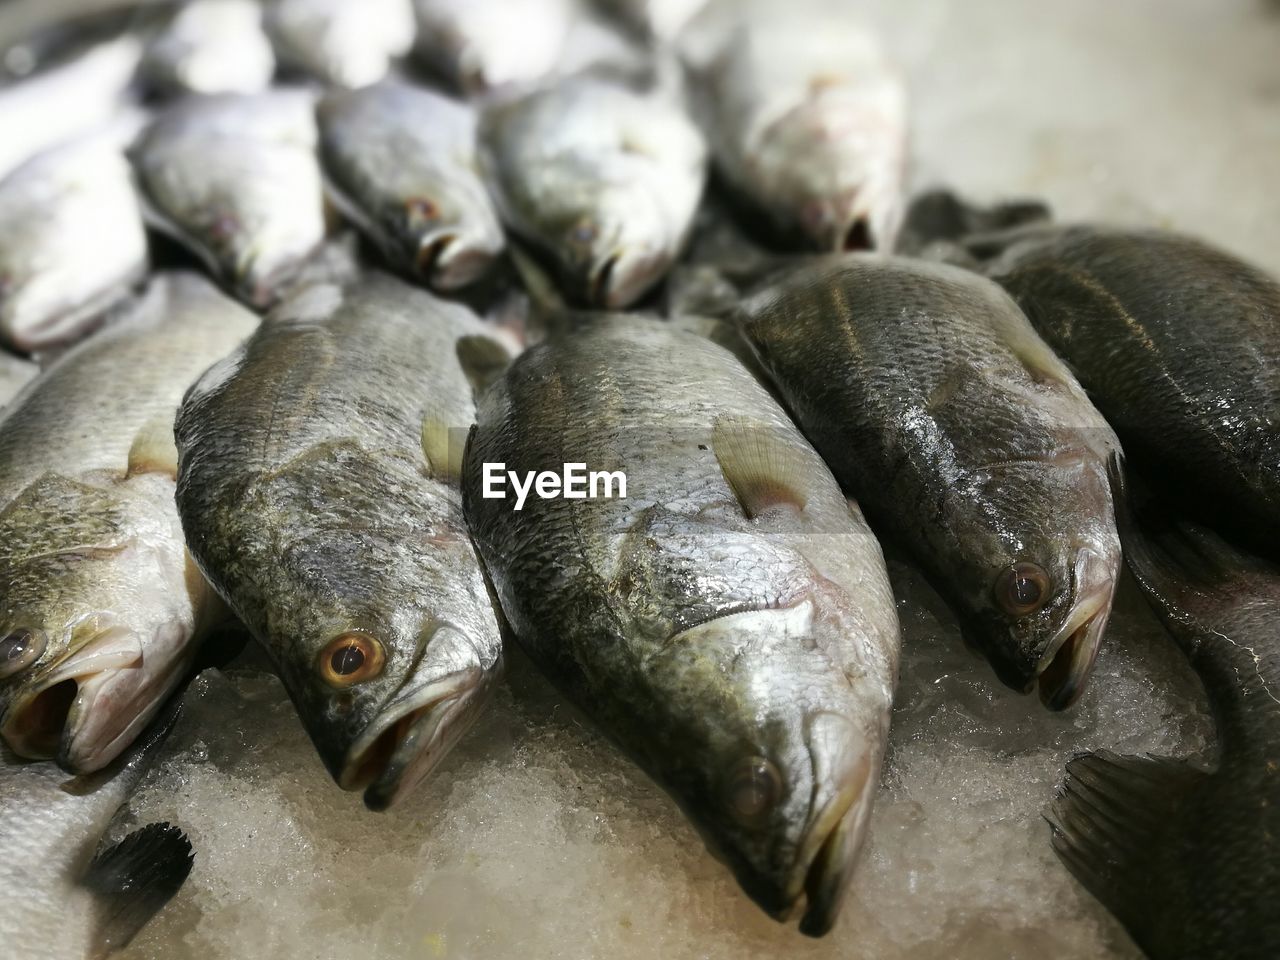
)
(620, 279)
(84, 710)
(449, 262)
(404, 744)
(1063, 670)
(858, 236)
(838, 833)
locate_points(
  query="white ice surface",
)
(536, 840)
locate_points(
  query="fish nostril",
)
(858, 236)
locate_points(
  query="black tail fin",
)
(133, 880)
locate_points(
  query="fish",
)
(338, 42)
(479, 45)
(318, 490)
(211, 46)
(72, 242)
(101, 610)
(15, 373)
(73, 895)
(1174, 340)
(234, 178)
(966, 441)
(1187, 856)
(66, 102)
(727, 620)
(658, 20)
(809, 126)
(401, 163)
(604, 180)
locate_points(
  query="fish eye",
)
(1022, 588)
(752, 789)
(350, 659)
(584, 232)
(422, 208)
(20, 649)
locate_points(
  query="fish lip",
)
(619, 279)
(1063, 669)
(401, 747)
(449, 261)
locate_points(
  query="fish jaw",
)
(450, 259)
(620, 278)
(1063, 669)
(420, 722)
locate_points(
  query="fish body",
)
(339, 42)
(101, 612)
(402, 164)
(71, 242)
(1188, 858)
(1176, 343)
(66, 903)
(657, 20)
(963, 437)
(212, 46)
(481, 44)
(811, 126)
(235, 178)
(317, 490)
(728, 622)
(604, 180)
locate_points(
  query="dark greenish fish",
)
(62, 900)
(965, 439)
(728, 622)
(1187, 858)
(1178, 345)
(318, 490)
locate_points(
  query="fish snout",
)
(451, 260)
(1063, 669)
(623, 276)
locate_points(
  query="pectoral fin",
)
(154, 449)
(765, 468)
(443, 447)
(133, 880)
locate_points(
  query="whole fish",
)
(318, 491)
(101, 612)
(658, 20)
(340, 42)
(15, 373)
(604, 180)
(212, 46)
(66, 102)
(401, 162)
(811, 126)
(480, 44)
(71, 242)
(1187, 858)
(1176, 343)
(965, 438)
(727, 620)
(235, 178)
(65, 902)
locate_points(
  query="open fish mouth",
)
(84, 710)
(620, 279)
(448, 261)
(410, 737)
(839, 832)
(1064, 669)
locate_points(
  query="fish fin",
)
(764, 468)
(1114, 823)
(940, 216)
(441, 447)
(483, 360)
(133, 880)
(154, 449)
(547, 307)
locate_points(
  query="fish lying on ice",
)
(965, 439)
(339, 42)
(211, 46)
(401, 162)
(601, 178)
(235, 178)
(318, 490)
(728, 622)
(101, 611)
(1187, 858)
(481, 44)
(63, 900)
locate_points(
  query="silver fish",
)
(340, 42)
(235, 178)
(728, 620)
(71, 242)
(65, 902)
(401, 163)
(481, 44)
(101, 611)
(659, 20)
(603, 179)
(318, 492)
(212, 46)
(810, 125)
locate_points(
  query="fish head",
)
(1043, 563)
(773, 750)
(832, 168)
(97, 612)
(448, 228)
